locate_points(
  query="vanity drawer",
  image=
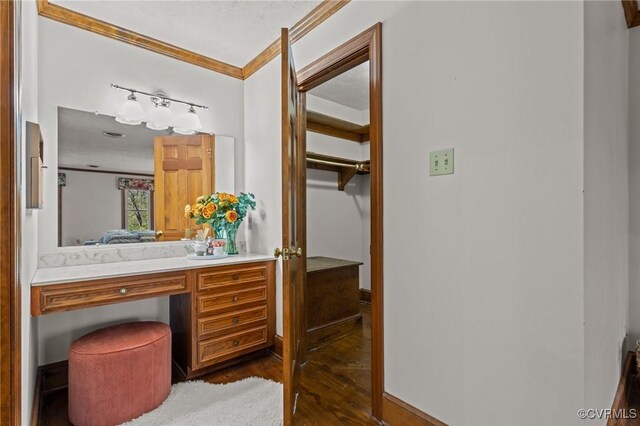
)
(225, 347)
(215, 302)
(64, 297)
(230, 321)
(244, 274)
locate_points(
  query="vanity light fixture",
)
(131, 111)
(188, 123)
(160, 117)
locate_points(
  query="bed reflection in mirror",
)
(123, 184)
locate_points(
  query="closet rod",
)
(357, 166)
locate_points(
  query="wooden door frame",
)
(367, 46)
(10, 365)
(294, 188)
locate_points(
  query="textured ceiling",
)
(231, 31)
(81, 142)
(350, 88)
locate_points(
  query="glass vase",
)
(230, 247)
(219, 230)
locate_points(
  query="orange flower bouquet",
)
(224, 212)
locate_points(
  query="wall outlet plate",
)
(441, 162)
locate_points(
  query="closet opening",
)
(332, 116)
(335, 380)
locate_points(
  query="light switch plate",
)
(441, 162)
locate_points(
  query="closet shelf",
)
(332, 126)
(345, 167)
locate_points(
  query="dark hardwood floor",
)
(335, 382)
(634, 401)
(54, 409)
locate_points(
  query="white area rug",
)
(251, 402)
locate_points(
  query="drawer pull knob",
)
(235, 276)
(123, 290)
(235, 298)
(236, 342)
(235, 320)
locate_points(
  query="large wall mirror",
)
(101, 188)
(123, 184)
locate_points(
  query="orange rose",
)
(209, 210)
(223, 196)
(231, 216)
(233, 199)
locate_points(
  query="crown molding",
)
(70, 17)
(317, 16)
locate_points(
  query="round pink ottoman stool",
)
(119, 373)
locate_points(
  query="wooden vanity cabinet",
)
(219, 315)
(229, 314)
(47, 299)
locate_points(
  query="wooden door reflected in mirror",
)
(184, 169)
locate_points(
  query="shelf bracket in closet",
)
(345, 168)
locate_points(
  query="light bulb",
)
(160, 116)
(188, 123)
(130, 112)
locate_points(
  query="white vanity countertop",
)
(67, 274)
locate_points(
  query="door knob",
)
(159, 233)
(281, 252)
(297, 252)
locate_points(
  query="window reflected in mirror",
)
(137, 208)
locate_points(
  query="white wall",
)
(606, 197)
(490, 276)
(75, 68)
(483, 269)
(263, 165)
(28, 56)
(634, 187)
(225, 159)
(91, 205)
(365, 225)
